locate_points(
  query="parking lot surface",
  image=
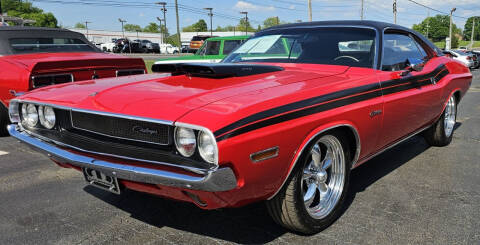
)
(411, 194)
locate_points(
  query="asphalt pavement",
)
(411, 194)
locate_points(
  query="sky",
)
(104, 14)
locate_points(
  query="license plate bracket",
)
(101, 180)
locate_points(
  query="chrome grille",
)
(122, 128)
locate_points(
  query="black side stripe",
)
(311, 106)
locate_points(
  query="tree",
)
(152, 27)
(226, 28)
(201, 25)
(132, 28)
(245, 23)
(467, 30)
(173, 40)
(25, 10)
(438, 28)
(80, 26)
(272, 21)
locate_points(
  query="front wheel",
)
(313, 196)
(441, 132)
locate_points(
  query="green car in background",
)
(212, 51)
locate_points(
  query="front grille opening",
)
(121, 73)
(122, 128)
(46, 80)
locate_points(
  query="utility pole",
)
(428, 22)
(246, 21)
(178, 25)
(395, 11)
(473, 31)
(163, 30)
(211, 17)
(361, 13)
(310, 10)
(1, 13)
(450, 34)
(86, 27)
(278, 20)
(122, 21)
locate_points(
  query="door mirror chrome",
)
(415, 64)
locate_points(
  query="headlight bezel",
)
(197, 129)
(201, 149)
(180, 148)
(43, 118)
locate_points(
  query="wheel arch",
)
(354, 143)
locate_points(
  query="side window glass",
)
(230, 45)
(397, 49)
(212, 48)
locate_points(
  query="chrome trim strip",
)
(117, 137)
(354, 161)
(110, 114)
(358, 163)
(51, 75)
(276, 148)
(220, 179)
(117, 71)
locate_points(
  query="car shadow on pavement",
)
(250, 224)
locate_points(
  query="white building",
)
(101, 36)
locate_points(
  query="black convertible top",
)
(8, 32)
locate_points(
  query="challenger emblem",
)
(139, 129)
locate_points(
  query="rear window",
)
(47, 45)
(199, 38)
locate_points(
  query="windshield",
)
(44, 45)
(325, 45)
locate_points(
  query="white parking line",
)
(3, 153)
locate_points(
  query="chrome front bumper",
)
(221, 179)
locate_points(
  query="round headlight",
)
(185, 141)
(47, 116)
(30, 115)
(207, 147)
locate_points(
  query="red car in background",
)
(31, 58)
(283, 119)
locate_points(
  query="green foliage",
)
(245, 24)
(24, 9)
(467, 30)
(272, 21)
(80, 26)
(200, 26)
(152, 27)
(226, 28)
(132, 28)
(438, 28)
(173, 40)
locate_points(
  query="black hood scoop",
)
(215, 70)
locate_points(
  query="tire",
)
(288, 207)
(441, 132)
(4, 121)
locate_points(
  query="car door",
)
(411, 98)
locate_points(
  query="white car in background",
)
(166, 48)
(108, 47)
(463, 57)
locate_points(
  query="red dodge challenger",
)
(283, 119)
(33, 57)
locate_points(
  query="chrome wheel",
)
(450, 116)
(323, 177)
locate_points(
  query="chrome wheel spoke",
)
(316, 155)
(327, 161)
(307, 174)
(310, 194)
(323, 188)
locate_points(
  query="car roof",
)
(9, 32)
(243, 37)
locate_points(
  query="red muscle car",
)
(33, 57)
(264, 125)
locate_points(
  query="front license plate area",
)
(101, 180)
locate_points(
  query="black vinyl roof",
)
(9, 32)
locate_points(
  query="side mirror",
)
(415, 64)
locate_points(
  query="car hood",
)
(29, 61)
(163, 96)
